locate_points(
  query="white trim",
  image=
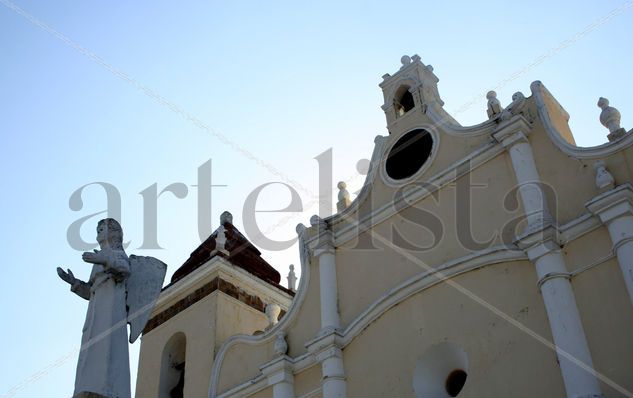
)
(437, 114)
(312, 393)
(425, 280)
(498, 254)
(396, 295)
(270, 334)
(595, 152)
(374, 164)
(218, 266)
(476, 158)
(260, 382)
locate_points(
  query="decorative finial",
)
(610, 118)
(316, 220)
(226, 217)
(280, 346)
(494, 106)
(429, 68)
(405, 60)
(604, 179)
(292, 278)
(515, 107)
(362, 166)
(343, 197)
(272, 313)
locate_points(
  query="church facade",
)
(494, 260)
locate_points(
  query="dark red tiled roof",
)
(241, 253)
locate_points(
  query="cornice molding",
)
(612, 204)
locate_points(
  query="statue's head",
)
(110, 230)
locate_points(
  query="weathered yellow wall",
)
(503, 360)
(198, 324)
(206, 324)
(381, 269)
(605, 309)
(265, 393)
(308, 381)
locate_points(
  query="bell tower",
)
(410, 94)
(224, 288)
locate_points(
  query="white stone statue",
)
(120, 290)
(494, 106)
(515, 107)
(344, 199)
(292, 278)
(280, 346)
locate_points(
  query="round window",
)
(409, 153)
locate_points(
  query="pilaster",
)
(615, 210)
(325, 252)
(571, 345)
(280, 376)
(327, 350)
(513, 135)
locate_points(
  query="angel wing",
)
(143, 287)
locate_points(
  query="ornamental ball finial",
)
(405, 60)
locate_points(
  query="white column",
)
(539, 241)
(280, 376)
(514, 138)
(569, 337)
(324, 251)
(328, 286)
(326, 348)
(334, 385)
(615, 209)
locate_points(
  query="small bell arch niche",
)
(403, 100)
(172, 373)
(441, 372)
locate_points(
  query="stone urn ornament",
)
(610, 118)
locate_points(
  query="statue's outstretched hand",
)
(95, 258)
(67, 277)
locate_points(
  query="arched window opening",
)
(172, 373)
(403, 101)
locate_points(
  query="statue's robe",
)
(103, 368)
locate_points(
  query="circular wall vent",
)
(409, 154)
(440, 372)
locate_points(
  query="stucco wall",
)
(503, 360)
(198, 324)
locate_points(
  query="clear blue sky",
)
(281, 80)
